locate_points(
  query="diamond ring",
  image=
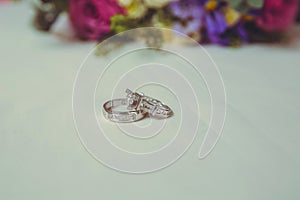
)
(153, 107)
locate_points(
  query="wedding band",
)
(121, 116)
(153, 107)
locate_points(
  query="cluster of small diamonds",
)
(147, 104)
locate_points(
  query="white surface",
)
(41, 156)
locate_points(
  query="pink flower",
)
(91, 18)
(277, 15)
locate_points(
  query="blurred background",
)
(255, 44)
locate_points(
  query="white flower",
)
(157, 3)
(125, 2)
(137, 10)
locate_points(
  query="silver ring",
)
(153, 107)
(131, 115)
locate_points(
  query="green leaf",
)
(235, 3)
(255, 3)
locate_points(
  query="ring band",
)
(121, 116)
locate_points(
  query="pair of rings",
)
(138, 106)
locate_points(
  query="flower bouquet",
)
(229, 23)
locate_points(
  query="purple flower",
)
(241, 31)
(215, 26)
(186, 8)
(207, 15)
(219, 32)
(190, 13)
